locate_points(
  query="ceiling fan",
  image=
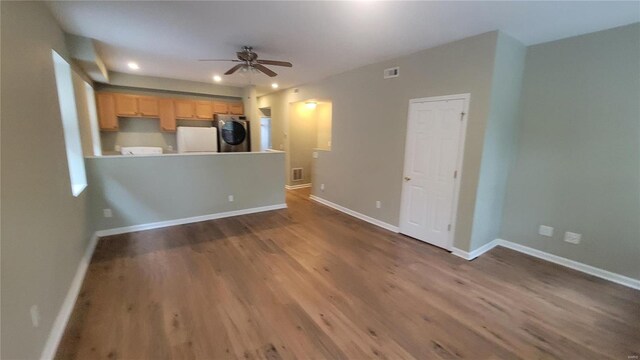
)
(249, 60)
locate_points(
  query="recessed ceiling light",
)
(311, 104)
(217, 78)
(133, 66)
(274, 85)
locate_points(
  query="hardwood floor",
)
(309, 282)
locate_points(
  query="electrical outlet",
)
(572, 238)
(545, 231)
(378, 204)
(35, 316)
(107, 213)
(230, 198)
(315, 154)
(321, 187)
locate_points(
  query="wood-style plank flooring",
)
(309, 282)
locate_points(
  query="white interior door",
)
(435, 135)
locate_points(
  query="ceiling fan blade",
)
(264, 69)
(275, 62)
(218, 60)
(234, 69)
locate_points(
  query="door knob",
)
(406, 178)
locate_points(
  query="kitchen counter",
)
(112, 155)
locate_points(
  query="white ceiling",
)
(319, 38)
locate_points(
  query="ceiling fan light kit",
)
(249, 61)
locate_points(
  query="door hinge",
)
(449, 227)
(462, 114)
(455, 174)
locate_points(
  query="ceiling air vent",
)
(296, 174)
(392, 72)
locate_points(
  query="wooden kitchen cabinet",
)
(185, 109)
(236, 109)
(167, 115)
(204, 110)
(126, 105)
(148, 106)
(220, 107)
(107, 117)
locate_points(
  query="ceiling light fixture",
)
(133, 66)
(217, 78)
(274, 85)
(311, 104)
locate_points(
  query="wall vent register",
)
(391, 72)
(296, 174)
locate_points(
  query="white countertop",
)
(186, 154)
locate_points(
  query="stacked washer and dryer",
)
(230, 133)
(233, 133)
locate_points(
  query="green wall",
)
(500, 141)
(45, 230)
(578, 164)
(148, 189)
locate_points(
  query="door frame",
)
(466, 97)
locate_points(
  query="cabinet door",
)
(204, 110)
(167, 115)
(185, 109)
(107, 117)
(220, 107)
(236, 109)
(126, 105)
(148, 106)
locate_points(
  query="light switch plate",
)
(572, 238)
(545, 230)
(107, 213)
(230, 198)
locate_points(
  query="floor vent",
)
(296, 174)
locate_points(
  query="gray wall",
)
(369, 121)
(185, 86)
(188, 185)
(500, 141)
(45, 229)
(578, 166)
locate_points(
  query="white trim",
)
(466, 97)
(294, 187)
(355, 214)
(588, 269)
(475, 253)
(60, 323)
(161, 224)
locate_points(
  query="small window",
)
(69, 115)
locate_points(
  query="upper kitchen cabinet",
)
(185, 109)
(220, 107)
(136, 106)
(204, 110)
(107, 117)
(148, 106)
(236, 109)
(126, 105)
(167, 114)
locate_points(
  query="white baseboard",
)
(475, 253)
(355, 214)
(161, 224)
(60, 323)
(588, 269)
(294, 187)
